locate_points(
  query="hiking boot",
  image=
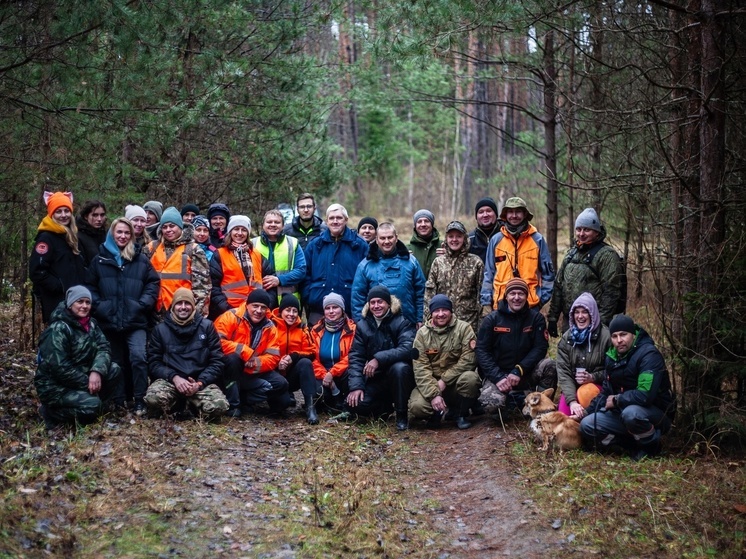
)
(49, 423)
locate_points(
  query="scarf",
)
(335, 326)
(186, 321)
(241, 252)
(518, 229)
(85, 323)
(578, 336)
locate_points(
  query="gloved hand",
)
(552, 329)
(486, 309)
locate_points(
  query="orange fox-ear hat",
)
(57, 200)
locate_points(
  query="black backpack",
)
(621, 304)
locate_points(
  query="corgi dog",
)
(549, 425)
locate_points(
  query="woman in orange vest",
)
(236, 268)
(179, 261)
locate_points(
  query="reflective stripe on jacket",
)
(175, 272)
(234, 284)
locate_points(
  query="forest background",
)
(636, 108)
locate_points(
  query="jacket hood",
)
(395, 306)
(400, 251)
(280, 322)
(62, 314)
(463, 250)
(586, 301)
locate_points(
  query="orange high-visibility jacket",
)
(235, 331)
(345, 344)
(295, 340)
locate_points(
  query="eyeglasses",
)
(305, 207)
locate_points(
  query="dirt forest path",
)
(459, 487)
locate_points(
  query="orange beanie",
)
(58, 200)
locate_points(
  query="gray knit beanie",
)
(423, 213)
(75, 293)
(334, 299)
(588, 218)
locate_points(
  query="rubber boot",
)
(311, 416)
(463, 413)
(647, 446)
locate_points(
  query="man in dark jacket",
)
(307, 225)
(636, 404)
(185, 362)
(512, 341)
(380, 361)
(487, 225)
(591, 266)
(331, 262)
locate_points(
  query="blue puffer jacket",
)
(331, 266)
(400, 272)
(124, 293)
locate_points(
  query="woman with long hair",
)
(56, 264)
(125, 286)
(91, 223)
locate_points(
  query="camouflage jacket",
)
(576, 277)
(67, 354)
(458, 275)
(201, 283)
(444, 353)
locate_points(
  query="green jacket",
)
(576, 277)
(424, 251)
(67, 353)
(444, 353)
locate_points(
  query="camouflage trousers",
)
(210, 402)
(84, 407)
(466, 387)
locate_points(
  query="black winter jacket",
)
(89, 239)
(53, 268)
(389, 343)
(509, 340)
(123, 297)
(294, 229)
(479, 240)
(192, 351)
(639, 377)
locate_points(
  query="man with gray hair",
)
(331, 262)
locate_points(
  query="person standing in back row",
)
(425, 242)
(517, 251)
(307, 225)
(591, 266)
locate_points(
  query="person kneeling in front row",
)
(185, 362)
(636, 404)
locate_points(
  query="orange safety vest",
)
(175, 272)
(234, 284)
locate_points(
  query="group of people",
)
(178, 311)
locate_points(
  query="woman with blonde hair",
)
(124, 287)
(56, 264)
